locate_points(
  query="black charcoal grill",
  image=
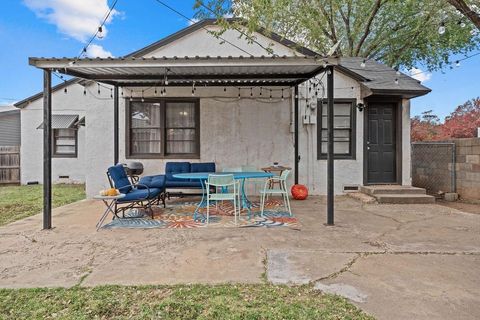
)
(134, 169)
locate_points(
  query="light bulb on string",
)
(193, 88)
(100, 33)
(462, 24)
(98, 88)
(251, 92)
(283, 98)
(84, 91)
(131, 95)
(457, 63)
(261, 89)
(224, 89)
(166, 77)
(111, 93)
(155, 91)
(121, 92)
(474, 32)
(396, 80)
(363, 64)
(270, 94)
(441, 28)
(397, 71)
(143, 99)
(239, 94)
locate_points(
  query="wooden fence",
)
(9, 164)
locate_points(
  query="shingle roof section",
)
(380, 77)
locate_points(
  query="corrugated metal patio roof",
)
(130, 71)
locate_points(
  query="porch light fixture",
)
(360, 106)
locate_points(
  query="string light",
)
(143, 99)
(166, 77)
(396, 80)
(270, 94)
(121, 92)
(98, 88)
(100, 33)
(224, 89)
(111, 93)
(84, 91)
(363, 64)
(441, 28)
(261, 89)
(155, 92)
(131, 95)
(193, 88)
(251, 92)
(462, 24)
(282, 95)
(239, 93)
(457, 63)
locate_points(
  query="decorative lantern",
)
(299, 192)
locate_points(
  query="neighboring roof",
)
(7, 110)
(207, 22)
(62, 121)
(211, 71)
(380, 78)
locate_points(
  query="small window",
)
(344, 129)
(162, 128)
(65, 143)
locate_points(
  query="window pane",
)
(146, 134)
(338, 135)
(65, 150)
(180, 115)
(339, 109)
(181, 147)
(65, 133)
(146, 141)
(338, 147)
(338, 122)
(145, 115)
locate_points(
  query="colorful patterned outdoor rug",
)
(180, 215)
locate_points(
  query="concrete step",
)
(404, 198)
(391, 189)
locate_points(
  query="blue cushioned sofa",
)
(172, 168)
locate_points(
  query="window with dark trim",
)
(163, 128)
(344, 129)
(65, 143)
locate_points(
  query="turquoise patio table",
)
(203, 177)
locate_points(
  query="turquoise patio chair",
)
(222, 181)
(282, 190)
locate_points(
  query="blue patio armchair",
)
(139, 195)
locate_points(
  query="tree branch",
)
(464, 9)
(373, 13)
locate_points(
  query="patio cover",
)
(183, 71)
(186, 71)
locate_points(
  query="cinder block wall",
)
(468, 168)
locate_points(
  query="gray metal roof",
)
(271, 71)
(380, 78)
(62, 121)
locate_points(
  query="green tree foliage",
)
(398, 33)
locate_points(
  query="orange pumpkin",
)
(299, 192)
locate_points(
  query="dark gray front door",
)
(381, 143)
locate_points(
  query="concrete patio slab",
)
(394, 261)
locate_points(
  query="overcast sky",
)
(60, 28)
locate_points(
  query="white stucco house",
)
(230, 125)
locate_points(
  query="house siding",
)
(31, 150)
(10, 128)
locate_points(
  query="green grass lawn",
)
(17, 202)
(224, 302)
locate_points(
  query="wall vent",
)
(350, 188)
(32, 182)
(63, 177)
